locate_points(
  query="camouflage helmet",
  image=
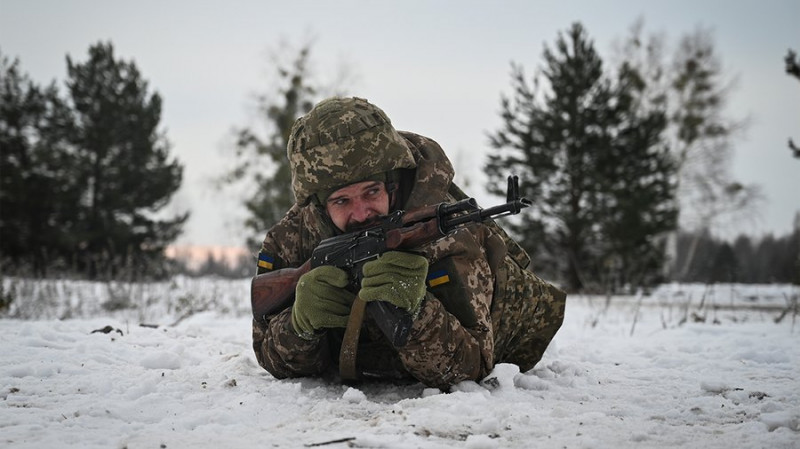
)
(342, 141)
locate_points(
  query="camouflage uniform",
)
(481, 307)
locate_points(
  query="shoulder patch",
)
(265, 261)
(445, 284)
(438, 277)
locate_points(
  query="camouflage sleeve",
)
(286, 243)
(277, 348)
(451, 339)
(281, 352)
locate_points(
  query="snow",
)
(686, 365)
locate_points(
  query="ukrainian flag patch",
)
(265, 261)
(438, 278)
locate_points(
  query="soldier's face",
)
(358, 204)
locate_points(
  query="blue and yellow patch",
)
(438, 278)
(265, 261)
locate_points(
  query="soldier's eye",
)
(337, 202)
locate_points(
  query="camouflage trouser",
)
(526, 314)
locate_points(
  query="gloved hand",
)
(395, 277)
(321, 301)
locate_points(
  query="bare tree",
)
(260, 149)
(701, 135)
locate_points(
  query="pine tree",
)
(37, 189)
(593, 164)
(745, 255)
(725, 267)
(125, 167)
(552, 146)
(638, 183)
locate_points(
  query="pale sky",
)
(437, 68)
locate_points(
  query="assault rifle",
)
(274, 291)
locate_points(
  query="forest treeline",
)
(770, 259)
(628, 164)
(699, 258)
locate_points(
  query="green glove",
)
(395, 277)
(321, 301)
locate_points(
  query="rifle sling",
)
(348, 352)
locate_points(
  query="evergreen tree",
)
(37, 189)
(593, 164)
(125, 167)
(725, 267)
(212, 266)
(785, 258)
(745, 255)
(636, 175)
(766, 255)
(550, 143)
(768, 260)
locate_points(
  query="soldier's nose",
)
(361, 211)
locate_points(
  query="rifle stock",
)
(274, 291)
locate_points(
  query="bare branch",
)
(795, 149)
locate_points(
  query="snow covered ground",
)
(686, 366)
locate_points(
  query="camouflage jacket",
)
(481, 307)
